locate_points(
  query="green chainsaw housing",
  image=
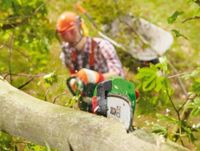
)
(120, 87)
(114, 98)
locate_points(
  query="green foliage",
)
(5, 142)
(195, 106)
(174, 16)
(161, 130)
(26, 30)
(73, 101)
(196, 86)
(10, 143)
(184, 130)
(178, 34)
(194, 77)
(50, 78)
(25, 37)
(153, 83)
(33, 147)
(115, 7)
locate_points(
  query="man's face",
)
(70, 36)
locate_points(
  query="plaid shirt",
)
(105, 57)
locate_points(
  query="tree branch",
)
(191, 18)
(10, 56)
(178, 79)
(24, 20)
(67, 129)
(26, 83)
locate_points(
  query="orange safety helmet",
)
(66, 21)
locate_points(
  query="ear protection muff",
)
(83, 29)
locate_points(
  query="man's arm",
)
(112, 60)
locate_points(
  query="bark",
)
(67, 129)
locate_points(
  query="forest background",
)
(169, 102)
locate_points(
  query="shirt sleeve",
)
(109, 53)
(65, 58)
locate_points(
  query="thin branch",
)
(56, 97)
(136, 34)
(191, 18)
(13, 25)
(26, 83)
(5, 76)
(29, 75)
(178, 75)
(158, 55)
(173, 105)
(188, 99)
(46, 93)
(178, 79)
(178, 115)
(22, 22)
(22, 75)
(10, 56)
(17, 50)
(184, 115)
(186, 112)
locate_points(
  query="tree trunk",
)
(67, 129)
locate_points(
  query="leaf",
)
(149, 84)
(178, 34)
(167, 119)
(50, 78)
(159, 84)
(47, 146)
(19, 2)
(193, 74)
(158, 129)
(196, 87)
(195, 106)
(174, 16)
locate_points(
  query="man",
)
(91, 59)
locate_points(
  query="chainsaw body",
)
(114, 98)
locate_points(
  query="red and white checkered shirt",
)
(105, 57)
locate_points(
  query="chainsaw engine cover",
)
(116, 99)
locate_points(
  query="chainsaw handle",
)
(69, 86)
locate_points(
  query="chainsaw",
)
(114, 98)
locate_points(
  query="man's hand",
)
(89, 76)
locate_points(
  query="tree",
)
(64, 128)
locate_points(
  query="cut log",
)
(67, 129)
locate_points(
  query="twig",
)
(10, 56)
(186, 102)
(5, 76)
(178, 79)
(158, 55)
(54, 100)
(191, 18)
(24, 20)
(26, 83)
(177, 75)
(173, 105)
(178, 115)
(46, 93)
(185, 114)
(136, 34)
(29, 75)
